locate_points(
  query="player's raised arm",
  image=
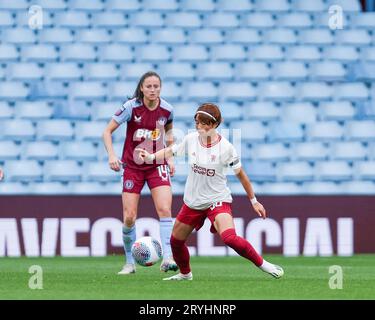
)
(162, 154)
(245, 181)
(113, 161)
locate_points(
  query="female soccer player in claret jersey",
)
(148, 119)
(206, 191)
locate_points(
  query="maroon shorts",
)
(195, 218)
(134, 180)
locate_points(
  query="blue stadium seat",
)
(281, 188)
(8, 52)
(355, 37)
(362, 71)
(223, 20)
(231, 111)
(302, 112)
(206, 36)
(100, 172)
(14, 4)
(9, 150)
(324, 131)
(198, 5)
(103, 111)
(77, 110)
(286, 132)
(33, 110)
(266, 53)
(62, 171)
(39, 53)
(87, 90)
(238, 6)
(259, 20)
(17, 130)
(310, 151)
(346, 5)
(171, 91)
(130, 35)
(13, 90)
(201, 91)
(315, 91)
(134, 71)
(18, 36)
(358, 187)
(298, 171)
(126, 6)
(186, 20)
(191, 53)
(168, 36)
(13, 188)
(321, 188)
(228, 52)
(348, 151)
(94, 188)
(183, 111)
(237, 91)
(288, 70)
(161, 5)
(48, 188)
(309, 6)
(54, 130)
(271, 152)
(328, 71)
(6, 111)
(94, 36)
(333, 171)
(341, 53)
(72, 19)
(101, 72)
(63, 71)
(117, 53)
(280, 36)
(251, 131)
(25, 71)
(108, 20)
(275, 6)
(316, 37)
(244, 36)
(177, 71)
(55, 5)
(360, 130)
(252, 71)
(364, 20)
(152, 53)
(55, 36)
(365, 170)
(260, 171)
(262, 110)
(90, 6)
(303, 53)
(90, 131)
(120, 91)
(23, 171)
(40, 150)
(351, 91)
(78, 53)
(79, 151)
(182, 171)
(214, 71)
(276, 91)
(295, 20)
(337, 110)
(147, 19)
(6, 19)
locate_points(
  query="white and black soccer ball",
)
(146, 251)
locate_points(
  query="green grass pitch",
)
(215, 278)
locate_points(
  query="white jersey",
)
(207, 182)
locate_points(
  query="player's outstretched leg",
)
(246, 250)
(128, 236)
(168, 263)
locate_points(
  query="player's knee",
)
(164, 212)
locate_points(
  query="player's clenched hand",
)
(259, 209)
(142, 154)
(114, 163)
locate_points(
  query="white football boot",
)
(127, 269)
(277, 272)
(168, 265)
(180, 276)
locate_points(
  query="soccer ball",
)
(146, 251)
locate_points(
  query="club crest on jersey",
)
(162, 121)
(129, 184)
(137, 119)
(148, 134)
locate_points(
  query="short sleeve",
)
(123, 114)
(179, 149)
(232, 160)
(170, 118)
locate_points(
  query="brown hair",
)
(211, 109)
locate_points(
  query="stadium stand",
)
(302, 95)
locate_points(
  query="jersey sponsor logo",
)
(162, 121)
(203, 171)
(129, 184)
(148, 134)
(137, 119)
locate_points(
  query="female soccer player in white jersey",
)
(148, 118)
(206, 191)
